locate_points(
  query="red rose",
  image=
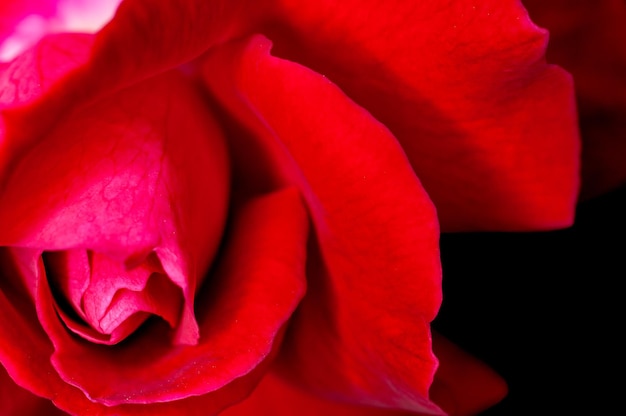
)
(175, 186)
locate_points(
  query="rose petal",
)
(463, 385)
(587, 39)
(274, 397)
(376, 228)
(490, 129)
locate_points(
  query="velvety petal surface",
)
(376, 230)
(489, 128)
(463, 385)
(587, 38)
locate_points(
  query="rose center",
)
(105, 300)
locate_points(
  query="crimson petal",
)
(376, 229)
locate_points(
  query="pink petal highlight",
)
(24, 23)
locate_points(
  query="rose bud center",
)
(105, 300)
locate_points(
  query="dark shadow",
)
(543, 309)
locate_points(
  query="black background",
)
(544, 310)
